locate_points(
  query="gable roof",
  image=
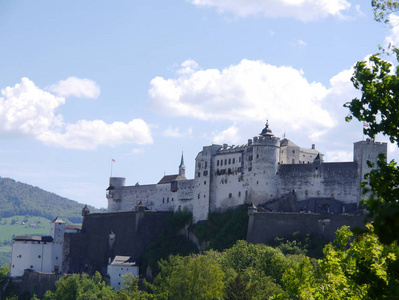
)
(170, 178)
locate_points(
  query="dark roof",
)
(287, 142)
(123, 261)
(34, 238)
(170, 178)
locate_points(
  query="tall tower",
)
(182, 167)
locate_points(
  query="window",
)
(198, 196)
(199, 174)
(206, 164)
(249, 169)
(199, 165)
(293, 161)
(250, 157)
(230, 195)
(234, 160)
(239, 194)
(225, 161)
(163, 200)
(229, 161)
(204, 182)
(239, 159)
(205, 173)
(217, 163)
(257, 155)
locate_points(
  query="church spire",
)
(182, 167)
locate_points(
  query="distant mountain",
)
(18, 198)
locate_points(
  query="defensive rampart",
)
(108, 234)
(266, 226)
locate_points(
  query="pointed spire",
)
(182, 167)
(182, 161)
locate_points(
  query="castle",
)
(275, 173)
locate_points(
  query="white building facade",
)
(120, 266)
(265, 169)
(39, 253)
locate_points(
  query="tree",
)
(79, 287)
(367, 269)
(378, 106)
(189, 277)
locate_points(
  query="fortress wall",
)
(263, 227)
(32, 282)
(325, 180)
(89, 250)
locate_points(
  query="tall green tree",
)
(378, 81)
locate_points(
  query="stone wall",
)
(108, 234)
(34, 282)
(263, 227)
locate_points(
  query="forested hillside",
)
(18, 198)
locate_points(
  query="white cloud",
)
(393, 36)
(250, 90)
(339, 155)
(176, 132)
(76, 87)
(26, 109)
(230, 135)
(304, 10)
(299, 43)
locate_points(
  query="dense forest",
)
(18, 198)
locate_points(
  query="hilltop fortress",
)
(266, 171)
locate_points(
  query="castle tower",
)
(365, 151)
(182, 167)
(57, 229)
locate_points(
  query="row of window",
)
(227, 161)
(239, 194)
(167, 200)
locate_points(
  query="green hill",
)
(22, 199)
(28, 210)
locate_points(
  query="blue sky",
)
(85, 82)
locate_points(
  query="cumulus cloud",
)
(177, 133)
(26, 109)
(393, 35)
(76, 87)
(304, 10)
(230, 134)
(250, 90)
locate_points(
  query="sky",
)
(139, 82)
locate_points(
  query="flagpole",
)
(112, 163)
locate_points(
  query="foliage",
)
(79, 287)
(222, 231)
(367, 269)
(189, 277)
(4, 272)
(383, 8)
(301, 244)
(379, 107)
(17, 198)
(170, 242)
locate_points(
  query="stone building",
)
(41, 253)
(265, 171)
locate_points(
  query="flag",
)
(113, 160)
(366, 125)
